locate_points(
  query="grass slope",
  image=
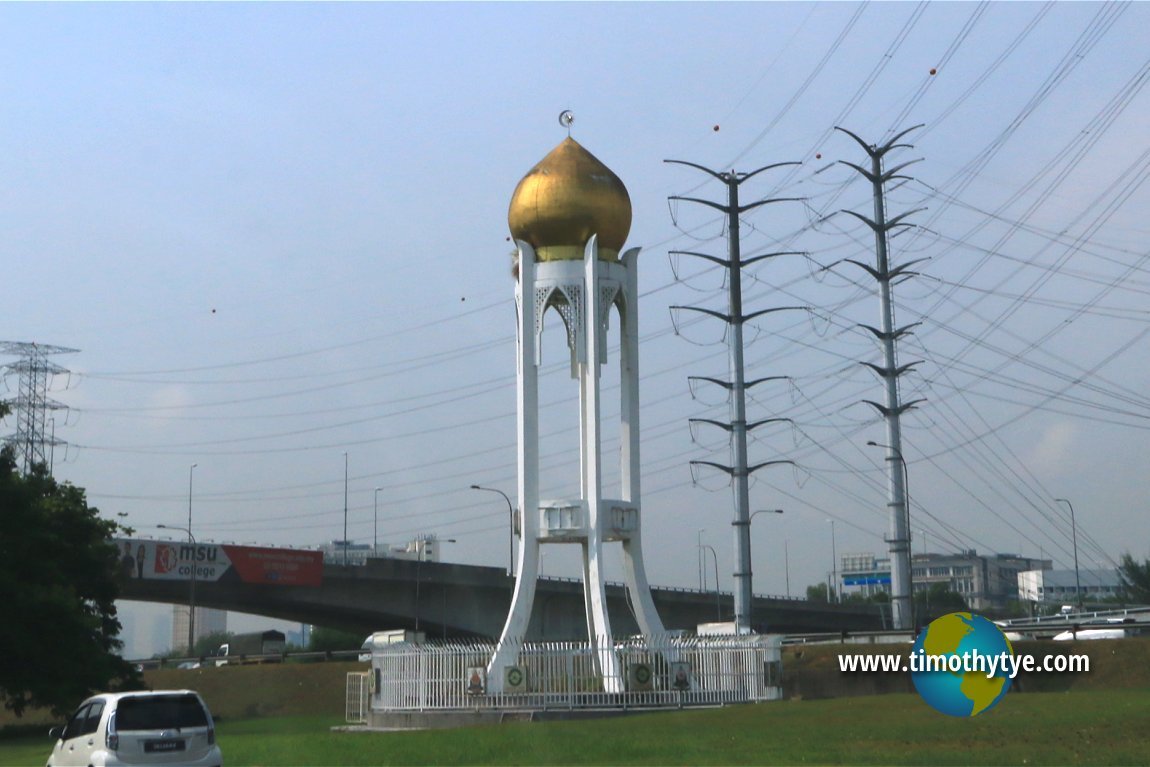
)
(1088, 727)
(282, 715)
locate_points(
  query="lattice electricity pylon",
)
(31, 403)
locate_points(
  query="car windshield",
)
(160, 712)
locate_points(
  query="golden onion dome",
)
(565, 199)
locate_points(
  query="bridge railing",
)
(679, 589)
(1139, 612)
(205, 661)
(668, 671)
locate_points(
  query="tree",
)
(58, 579)
(207, 645)
(936, 601)
(1135, 579)
(877, 598)
(329, 640)
(818, 593)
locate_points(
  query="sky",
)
(277, 234)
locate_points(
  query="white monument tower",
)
(570, 216)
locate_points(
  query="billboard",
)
(285, 567)
(174, 560)
(874, 579)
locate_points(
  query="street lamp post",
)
(787, 566)
(191, 587)
(345, 509)
(1074, 535)
(701, 563)
(902, 604)
(420, 556)
(191, 470)
(750, 607)
(834, 567)
(511, 531)
(715, 557)
(375, 528)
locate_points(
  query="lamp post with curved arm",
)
(511, 519)
(345, 509)
(902, 604)
(705, 547)
(751, 518)
(834, 576)
(191, 587)
(375, 527)
(750, 607)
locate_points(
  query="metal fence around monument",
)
(665, 672)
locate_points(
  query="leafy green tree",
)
(1014, 608)
(1135, 578)
(877, 598)
(936, 601)
(818, 593)
(328, 640)
(209, 643)
(58, 578)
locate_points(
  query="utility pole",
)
(345, 509)
(32, 402)
(739, 470)
(890, 370)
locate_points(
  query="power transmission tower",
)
(899, 539)
(31, 402)
(739, 470)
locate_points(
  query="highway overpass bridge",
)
(450, 600)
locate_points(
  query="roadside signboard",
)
(173, 560)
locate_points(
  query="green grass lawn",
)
(1094, 727)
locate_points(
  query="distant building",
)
(985, 582)
(347, 552)
(208, 621)
(1002, 575)
(425, 548)
(864, 574)
(1060, 586)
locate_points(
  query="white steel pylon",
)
(583, 293)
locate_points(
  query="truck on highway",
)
(256, 647)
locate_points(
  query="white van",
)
(162, 728)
